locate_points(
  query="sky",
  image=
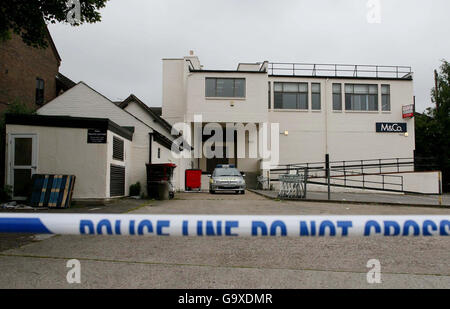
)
(123, 53)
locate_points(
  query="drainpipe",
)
(326, 115)
(150, 148)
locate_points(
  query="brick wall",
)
(20, 65)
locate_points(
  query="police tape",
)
(226, 225)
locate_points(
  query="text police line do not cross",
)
(226, 225)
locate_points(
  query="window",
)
(269, 96)
(291, 95)
(225, 87)
(361, 97)
(40, 91)
(315, 96)
(337, 97)
(159, 153)
(118, 149)
(385, 98)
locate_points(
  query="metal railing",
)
(340, 70)
(372, 174)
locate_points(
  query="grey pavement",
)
(373, 198)
(133, 262)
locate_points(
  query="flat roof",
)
(69, 122)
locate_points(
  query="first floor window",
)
(291, 96)
(225, 87)
(40, 84)
(361, 97)
(337, 97)
(385, 98)
(315, 96)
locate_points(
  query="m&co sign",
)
(389, 127)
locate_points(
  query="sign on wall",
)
(408, 111)
(390, 127)
(97, 136)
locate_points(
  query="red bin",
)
(193, 179)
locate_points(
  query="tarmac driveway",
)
(132, 262)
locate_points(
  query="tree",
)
(433, 126)
(29, 18)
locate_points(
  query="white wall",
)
(83, 101)
(66, 151)
(165, 154)
(345, 135)
(252, 108)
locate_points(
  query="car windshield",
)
(226, 172)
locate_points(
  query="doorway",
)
(22, 162)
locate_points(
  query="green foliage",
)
(28, 18)
(5, 194)
(135, 190)
(433, 126)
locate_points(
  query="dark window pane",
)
(210, 87)
(22, 182)
(336, 88)
(225, 87)
(337, 102)
(386, 102)
(348, 102)
(303, 100)
(278, 100)
(289, 100)
(373, 102)
(239, 90)
(315, 104)
(23, 151)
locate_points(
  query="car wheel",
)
(212, 192)
(243, 192)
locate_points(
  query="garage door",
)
(117, 181)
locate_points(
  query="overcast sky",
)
(122, 54)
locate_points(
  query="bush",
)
(135, 190)
(5, 194)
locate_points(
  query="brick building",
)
(30, 75)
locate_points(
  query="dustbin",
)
(193, 179)
(159, 181)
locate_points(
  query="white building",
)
(320, 109)
(347, 112)
(58, 141)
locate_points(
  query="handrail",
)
(340, 70)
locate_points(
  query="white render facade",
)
(311, 125)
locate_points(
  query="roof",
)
(155, 114)
(157, 110)
(69, 122)
(64, 82)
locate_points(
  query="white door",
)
(22, 163)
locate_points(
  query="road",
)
(127, 262)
